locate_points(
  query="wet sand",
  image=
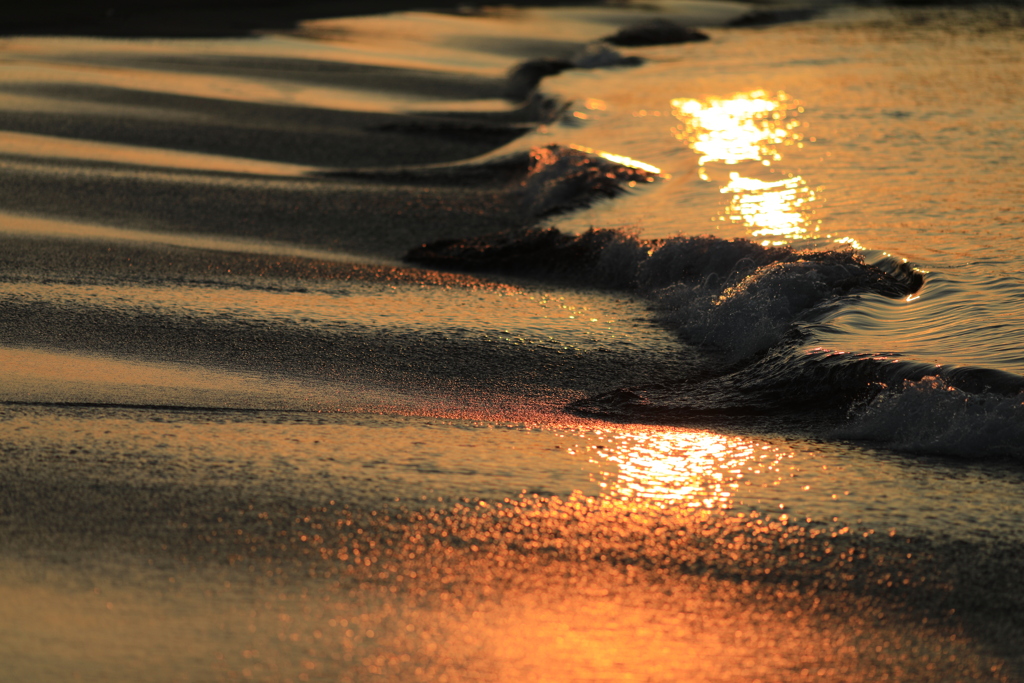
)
(240, 440)
(220, 545)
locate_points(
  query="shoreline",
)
(225, 457)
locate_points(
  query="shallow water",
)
(240, 438)
(893, 130)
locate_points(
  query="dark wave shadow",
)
(299, 135)
(370, 77)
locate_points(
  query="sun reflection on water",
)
(739, 139)
(746, 127)
(769, 209)
(696, 469)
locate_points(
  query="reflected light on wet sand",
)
(290, 564)
(748, 131)
(693, 469)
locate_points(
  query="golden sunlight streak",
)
(696, 469)
(748, 132)
(769, 209)
(746, 127)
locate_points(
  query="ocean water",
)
(905, 151)
(363, 351)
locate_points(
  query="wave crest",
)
(562, 178)
(931, 416)
(754, 308)
(733, 295)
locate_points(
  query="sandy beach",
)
(249, 432)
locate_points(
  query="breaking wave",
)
(931, 416)
(753, 310)
(734, 297)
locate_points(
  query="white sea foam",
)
(754, 314)
(930, 416)
(562, 178)
(734, 295)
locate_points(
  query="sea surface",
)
(475, 346)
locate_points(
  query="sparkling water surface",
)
(894, 131)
